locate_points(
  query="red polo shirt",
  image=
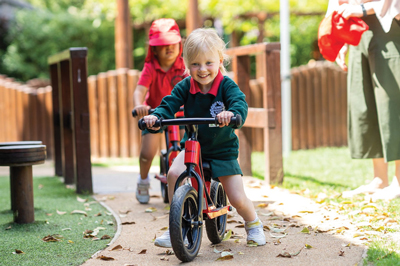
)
(159, 82)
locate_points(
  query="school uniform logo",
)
(217, 108)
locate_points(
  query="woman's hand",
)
(224, 118)
(150, 120)
(348, 10)
(341, 57)
(142, 110)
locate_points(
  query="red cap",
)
(164, 31)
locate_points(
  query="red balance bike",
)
(172, 140)
(201, 199)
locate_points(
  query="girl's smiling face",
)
(204, 68)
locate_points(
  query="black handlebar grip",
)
(237, 120)
(142, 125)
(134, 113)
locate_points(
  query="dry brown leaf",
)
(105, 237)
(164, 258)
(98, 214)
(143, 251)
(284, 254)
(341, 253)
(52, 238)
(102, 257)
(118, 247)
(17, 251)
(126, 223)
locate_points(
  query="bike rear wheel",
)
(184, 222)
(216, 227)
(163, 171)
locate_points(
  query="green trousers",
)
(374, 93)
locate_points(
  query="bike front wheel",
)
(216, 227)
(185, 225)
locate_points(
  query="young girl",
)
(163, 68)
(207, 93)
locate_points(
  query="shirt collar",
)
(194, 86)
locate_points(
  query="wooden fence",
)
(318, 111)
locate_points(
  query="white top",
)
(385, 10)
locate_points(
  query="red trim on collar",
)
(194, 86)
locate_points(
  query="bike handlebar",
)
(236, 121)
(134, 113)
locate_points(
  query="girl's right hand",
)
(142, 110)
(341, 57)
(150, 120)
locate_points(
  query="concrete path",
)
(278, 209)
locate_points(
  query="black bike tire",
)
(163, 186)
(216, 227)
(185, 197)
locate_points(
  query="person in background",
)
(208, 93)
(374, 92)
(163, 69)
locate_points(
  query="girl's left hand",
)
(224, 118)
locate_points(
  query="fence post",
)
(68, 71)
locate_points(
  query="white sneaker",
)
(142, 190)
(255, 232)
(164, 241)
(370, 188)
(390, 192)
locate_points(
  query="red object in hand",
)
(334, 31)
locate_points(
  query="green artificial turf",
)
(50, 196)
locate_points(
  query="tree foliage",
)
(57, 25)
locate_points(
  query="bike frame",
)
(194, 168)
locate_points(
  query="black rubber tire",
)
(163, 170)
(185, 222)
(164, 192)
(216, 227)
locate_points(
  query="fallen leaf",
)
(81, 200)
(307, 246)
(117, 247)
(227, 235)
(60, 212)
(251, 243)
(143, 251)
(105, 237)
(151, 209)
(341, 253)
(284, 254)
(169, 252)
(164, 228)
(79, 212)
(102, 257)
(275, 236)
(126, 223)
(225, 256)
(306, 212)
(164, 258)
(262, 205)
(8, 228)
(52, 238)
(305, 230)
(17, 251)
(70, 242)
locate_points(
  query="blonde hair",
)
(201, 40)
